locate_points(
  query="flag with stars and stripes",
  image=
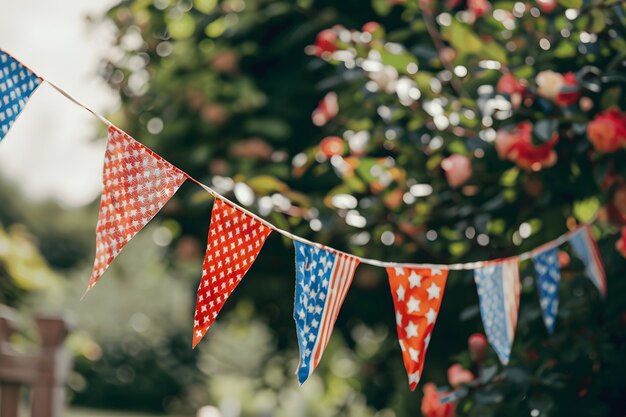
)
(234, 242)
(586, 248)
(323, 278)
(498, 294)
(137, 184)
(548, 277)
(417, 295)
(17, 84)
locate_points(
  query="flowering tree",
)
(483, 129)
(435, 131)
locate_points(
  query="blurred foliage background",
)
(435, 131)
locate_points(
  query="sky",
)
(55, 149)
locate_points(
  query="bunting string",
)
(137, 183)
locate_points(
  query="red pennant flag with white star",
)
(417, 294)
(235, 240)
(137, 184)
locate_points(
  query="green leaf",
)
(462, 38)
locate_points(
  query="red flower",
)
(458, 376)
(431, 403)
(547, 6)
(325, 42)
(607, 132)
(479, 7)
(332, 145)
(478, 347)
(326, 109)
(509, 84)
(571, 97)
(517, 146)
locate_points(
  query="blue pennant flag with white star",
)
(17, 83)
(548, 277)
(498, 294)
(323, 278)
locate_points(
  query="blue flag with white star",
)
(498, 294)
(17, 83)
(548, 278)
(323, 278)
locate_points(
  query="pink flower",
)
(607, 132)
(517, 146)
(478, 347)
(458, 376)
(326, 109)
(431, 403)
(547, 6)
(570, 97)
(458, 169)
(479, 7)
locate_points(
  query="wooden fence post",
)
(45, 372)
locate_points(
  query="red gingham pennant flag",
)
(137, 184)
(235, 240)
(417, 294)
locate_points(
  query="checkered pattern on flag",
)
(548, 278)
(498, 293)
(417, 295)
(234, 242)
(137, 184)
(323, 278)
(586, 249)
(17, 83)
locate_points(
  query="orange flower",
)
(332, 145)
(607, 132)
(517, 146)
(431, 403)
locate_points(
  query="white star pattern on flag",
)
(415, 280)
(17, 84)
(234, 242)
(323, 278)
(498, 293)
(548, 277)
(417, 294)
(137, 184)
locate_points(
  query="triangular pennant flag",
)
(417, 295)
(137, 184)
(323, 278)
(498, 293)
(586, 249)
(234, 242)
(17, 83)
(548, 277)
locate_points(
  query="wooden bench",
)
(44, 372)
